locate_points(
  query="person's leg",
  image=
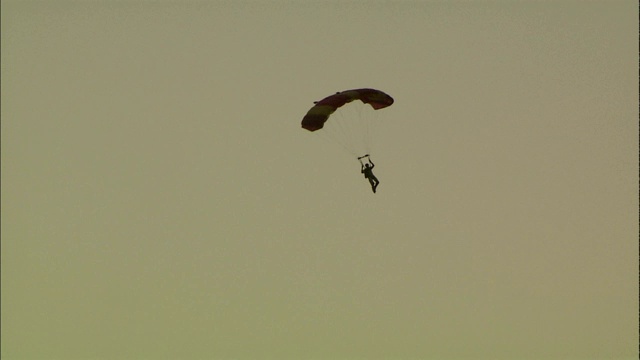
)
(377, 182)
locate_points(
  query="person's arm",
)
(372, 164)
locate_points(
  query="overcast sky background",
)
(160, 200)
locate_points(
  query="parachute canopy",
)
(319, 114)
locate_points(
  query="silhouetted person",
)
(367, 170)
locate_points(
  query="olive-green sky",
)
(160, 200)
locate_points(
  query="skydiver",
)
(367, 170)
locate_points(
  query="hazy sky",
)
(161, 201)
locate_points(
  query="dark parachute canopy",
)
(320, 113)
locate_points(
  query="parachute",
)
(352, 124)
